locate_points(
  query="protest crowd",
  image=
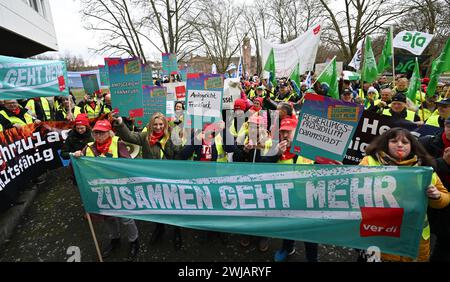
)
(259, 126)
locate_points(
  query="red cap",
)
(425, 80)
(240, 104)
(288, 124)
(247, 83)
(82, 119)
(102, 125)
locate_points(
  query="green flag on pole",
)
(414, 83)
(369, 71)
(439, 65)
(385, 60)
(295, 75)
(329, 77)
(270, 67)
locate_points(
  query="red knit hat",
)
(82, 119)
(240, 104)
(288, 124)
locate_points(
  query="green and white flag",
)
(440, 64)
(385, 60)
(351, 206)
(414, 83)
(369, 71)
(270, 67)
(329, 77)
(295, 75)
(413, 41)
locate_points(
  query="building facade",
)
(26, 28)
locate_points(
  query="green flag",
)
(386, 55)
(439, 65)
(295, 75)
(369, 71)
(329, 77)
(414, 83)
(270, 67)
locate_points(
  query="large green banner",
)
(351, 206)
(25, 78)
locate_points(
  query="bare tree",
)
(171, 21)
(358, 18)
(431, 16)
(217, 31)
(114, 19)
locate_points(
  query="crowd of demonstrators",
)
(259, 128)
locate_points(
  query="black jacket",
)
(435, 147)
(75, 142)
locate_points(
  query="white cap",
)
(372, 89)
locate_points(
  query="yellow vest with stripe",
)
(409, 114)
(433, 121)
(76, 111)
(45, 106)
(426, 225)
(113, 149)
(286, 99)
(221, 154)
(426, 114)
(16, 120)
(93, 113)
(242, 131)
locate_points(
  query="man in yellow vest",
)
(398, 109)
(90, 106)
(429, 107)
(15, 116)
(443, 113)
(63, 113)
(106, 105)
(40, 108)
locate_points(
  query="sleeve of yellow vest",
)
(444, 200)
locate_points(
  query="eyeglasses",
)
(99, 132)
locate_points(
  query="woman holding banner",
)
(156, 143)
(107, 145)
(398, 147)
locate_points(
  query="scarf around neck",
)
(385, 159)
(155, 137)
(104, 148)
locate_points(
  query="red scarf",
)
(16, 111)
(445, 140)
(155, 137)
(287, 155)
(103, 148)
(92, 104)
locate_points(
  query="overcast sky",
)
(72, 37)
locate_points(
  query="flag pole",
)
(420, 93)
(361, 79)
(391, 29)
(88, 216)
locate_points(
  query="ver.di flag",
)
(413, 41)
(329, 77)
(369, 71)
(385, 60)
(295, 75)
(356, 60)
(414, 83)
(352, 206)
(439, 65)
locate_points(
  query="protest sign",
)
(126, 86)
(147, 75)
(203, 99)
(154, 100)
(169, 63)
(325, 127)
(372, 125)
(231, 92)
(321, 204)
(104, 78)
(25, 78)
(175, 90)
(90, 83)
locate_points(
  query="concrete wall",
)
(20, 18)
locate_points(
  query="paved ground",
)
(55, 221)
